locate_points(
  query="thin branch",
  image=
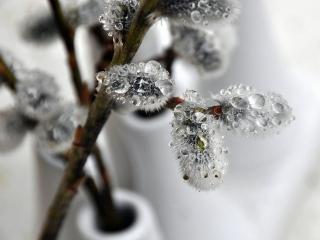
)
(67, 33)
(112, 220)
(216, 111)
(100, 165)
(7, 75)
(86, 136)
(106, 44)
(93, 193)
(167, 58)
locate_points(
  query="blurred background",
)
(295, 29)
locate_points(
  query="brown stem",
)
(84, 141)
(7, 75)
(173, 102)
(216, 111)
(140, 25)
(106, 45)
(167, 58)
(86, 136)
(110, 220)
(68, 33)
(93, 193)
(100, 165)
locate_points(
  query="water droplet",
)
(257, 101)
(152, 67)
(196, 16)
(120, 87)
(278, 107)
(261, 122)
(164, 86)
(135, 100)
(239, 103)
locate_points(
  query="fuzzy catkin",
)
(200, 11)
(144, 86)
(199, 147)
(37, 96)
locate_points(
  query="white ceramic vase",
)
(144, 227)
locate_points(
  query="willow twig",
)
(216, 111)
(167, 58)
(7, 75)
(106, 45)
(106, 200)
(67, 33)
(86, 136)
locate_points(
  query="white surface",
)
(298, 36)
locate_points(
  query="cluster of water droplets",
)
(13, 129)
(197, 127)
(145, 86)
(200, 11)
(36, 96)
(250, 111)
(55, 136)
(202, 48)
(117, 16)
(200, 148)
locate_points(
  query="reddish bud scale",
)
(174, 101)
(216, 111)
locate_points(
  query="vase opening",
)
(128, 217)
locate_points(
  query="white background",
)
(297, 33)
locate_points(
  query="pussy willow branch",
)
(87, 135)
(67, 33)
(7, 75)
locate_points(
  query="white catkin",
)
(209, 51)
(199, 147)
(37, 95)
(200, 11)
(250, 111)
(117, 16)
(197, 132)
(55, 136)
(144, 86)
